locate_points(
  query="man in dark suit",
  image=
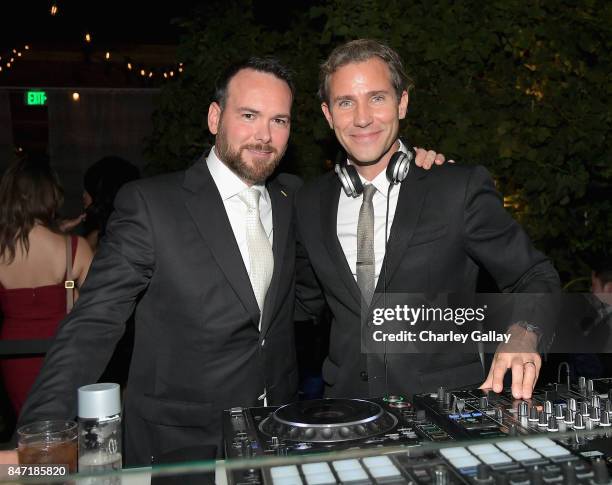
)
(210, 270)
(444, 225)
(213, 329)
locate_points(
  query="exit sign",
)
(35, 98)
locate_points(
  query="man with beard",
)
(207, 257)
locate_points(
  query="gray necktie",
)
(261, 259)
(365, 244)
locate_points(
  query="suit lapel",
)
(330, 195)
(409, 204)
(282, 208)
(208, 212)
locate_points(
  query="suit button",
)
(364, 375)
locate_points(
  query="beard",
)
(255, 173)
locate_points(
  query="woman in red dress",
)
(33, 259)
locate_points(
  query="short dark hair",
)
(30, 193)
(361, 50)
(269, 65)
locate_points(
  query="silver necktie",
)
(365, 244)
(261, 259)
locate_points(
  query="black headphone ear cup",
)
(399, 164)
(353, 176)
(349, 178)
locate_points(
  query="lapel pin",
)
(283, 192)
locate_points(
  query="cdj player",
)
(561, 435)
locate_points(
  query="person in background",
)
(102, 181)
(33, 266)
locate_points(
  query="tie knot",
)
(368, 192)
(250, 197)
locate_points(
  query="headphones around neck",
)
(397, 170)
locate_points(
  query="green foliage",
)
(523, 88)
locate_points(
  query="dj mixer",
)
(561, 435)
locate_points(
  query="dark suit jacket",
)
(448, 222)
(197, 347)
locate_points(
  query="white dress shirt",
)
(348, 217)
(229, 186)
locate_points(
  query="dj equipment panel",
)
(561, 435)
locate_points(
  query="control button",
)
(497, 458)
(464, 461)
(483, 449)
(454, 452)
(286, 481)
(555, 450)
(508, 446)
(538, 443)
(344, 432)
(377, 461)
(309, 433)
(533, 414)
(327, 433)
(605, 420)
(355, 475)
(521, 455)
(284, 471)
(351, 464)
(385, 473)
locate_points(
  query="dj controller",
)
(561, 435)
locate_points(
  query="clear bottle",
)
(99, 417)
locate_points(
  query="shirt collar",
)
(227, 182)
(380, 181)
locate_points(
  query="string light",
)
(88, 37)
(26, 47)
(129, 66)
(107, 55)
(142, 72)
(76, 96)
(53, 10)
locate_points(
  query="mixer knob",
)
(558, 411)
(483, 402)
(533, 414)
(600, 472)
(590, 387)
(595, 414)
(582, 383)
(553, 426)
(440, 476)
(499, 414)
(441, 393)
(543, 421)
(569, 416)
(595, 401)
(548, 408)
(571, 404)
(584, 408)
(578, 421)
(604, 420)
(483, 473)
(608, 406)
(522, 409)
(569, 473)
(535, 476)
